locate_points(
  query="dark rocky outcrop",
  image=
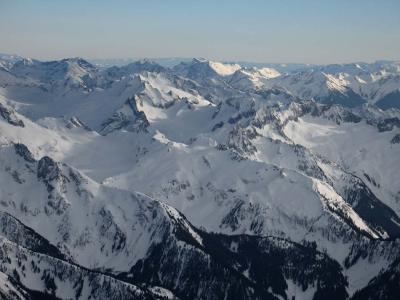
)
(9, 115)
(24, 152)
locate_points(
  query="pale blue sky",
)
(303, 31)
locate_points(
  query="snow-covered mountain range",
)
(205, 180)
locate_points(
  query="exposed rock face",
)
(388, 124)
(10, 117)
(75, 122)
(240, 140)
(128, 118)
(24, 152)
(396, 139)
(48, 170)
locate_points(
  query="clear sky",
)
(303, 31)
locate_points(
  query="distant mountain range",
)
(198, 179)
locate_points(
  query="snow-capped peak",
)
(224, 69)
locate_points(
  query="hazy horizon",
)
(184, 59)
(302, 32)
